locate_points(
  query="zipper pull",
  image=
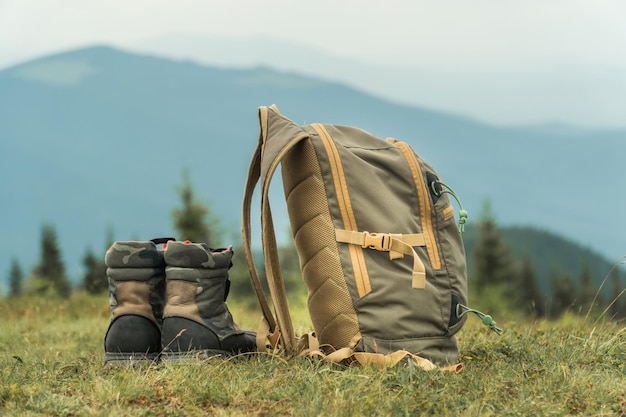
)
(486, 319)
(444, 188)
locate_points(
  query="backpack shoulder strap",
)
(278, 136)
(251, 181)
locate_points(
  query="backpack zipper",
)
(361, 276)
(426, 212)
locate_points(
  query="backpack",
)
(377, 240)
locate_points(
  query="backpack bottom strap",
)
(309, 346)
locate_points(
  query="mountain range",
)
(501, 91)
(98, 138)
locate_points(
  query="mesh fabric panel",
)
(330, 304)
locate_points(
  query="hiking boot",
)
(136, 273)
(196, 321)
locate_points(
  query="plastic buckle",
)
(378, 241)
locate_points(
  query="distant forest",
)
(541, 273)
(548, 252)
(519, 270)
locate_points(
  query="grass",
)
(51, 363)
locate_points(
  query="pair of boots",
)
(168, 303)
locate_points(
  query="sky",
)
(567, 43)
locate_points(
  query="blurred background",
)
(117, 118)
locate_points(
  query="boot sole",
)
(193, 357)
(130, 359)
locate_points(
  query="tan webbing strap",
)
(339, 355)
(270, 151)
(396, 244)
(263, 336)
(308, 345)
(380, 361)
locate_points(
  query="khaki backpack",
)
(378, 245)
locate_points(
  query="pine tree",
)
(492, 261)
(587, 292)
(95, 277)
(494, 275)
(618, 297)
(16, 279)
(239, 275)
(529, 294)
(190, 221)
(563, 292)
(51, 269)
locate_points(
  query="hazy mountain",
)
(541, 91)
(98, 138)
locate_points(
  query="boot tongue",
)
(188, 255)
(223, 257)
(161, 240)
(134, 254)
(197, 255)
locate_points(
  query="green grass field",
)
(51, 363)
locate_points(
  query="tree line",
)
(193, 221)
(501, 282)
(497, 281)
